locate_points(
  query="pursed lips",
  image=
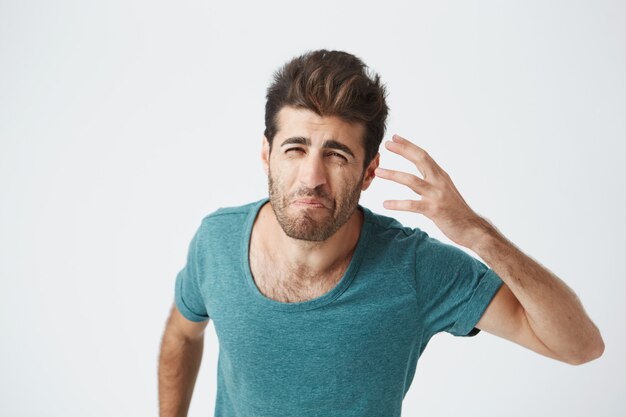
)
(310, 202)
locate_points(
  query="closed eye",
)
(293, 149)
(329, 153)
(339, 155)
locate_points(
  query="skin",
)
(309, 241)
(180, 357)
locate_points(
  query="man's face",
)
(315, 174)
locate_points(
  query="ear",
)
(369, 172)
(265, 155)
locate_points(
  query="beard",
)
(314, 224)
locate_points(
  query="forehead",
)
(303, 122)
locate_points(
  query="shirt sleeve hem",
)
(182, 307)
(484, 293)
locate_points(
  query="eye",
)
(293, 149)
(338, 154)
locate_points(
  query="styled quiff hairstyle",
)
(330, 83)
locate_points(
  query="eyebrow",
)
(330, 143)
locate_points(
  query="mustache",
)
(319, 195)
(310, 194)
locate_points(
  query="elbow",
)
(591, 354)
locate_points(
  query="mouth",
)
(310, 202)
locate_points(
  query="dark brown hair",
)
(330, 83)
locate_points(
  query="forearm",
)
(179, 363)
(554, 311)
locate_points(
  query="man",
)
(323, 307)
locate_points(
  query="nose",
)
(312, 171)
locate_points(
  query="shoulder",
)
(403, 245)
(229, 214)
(391, 242)
(242, 209)
(226, 221)
(388, 231)
(392, 247)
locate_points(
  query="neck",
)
(306, 258)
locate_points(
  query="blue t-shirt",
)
(350, 352)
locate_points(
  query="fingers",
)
(415, 183)
(416, 206)
(418, 156)
(430, 187)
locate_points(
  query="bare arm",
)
(179, 363)
(552, 309)
(534, 308)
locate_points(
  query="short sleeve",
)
(454, 287)
(188, 297)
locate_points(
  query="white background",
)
(123, 123)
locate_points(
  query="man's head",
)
(330, 83)
(325, 119)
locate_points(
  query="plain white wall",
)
(123, 123)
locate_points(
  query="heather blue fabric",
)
(350, 352)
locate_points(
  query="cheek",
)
(341, 187)
(283, 180)
(347, 179)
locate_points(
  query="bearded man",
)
(323, 307)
